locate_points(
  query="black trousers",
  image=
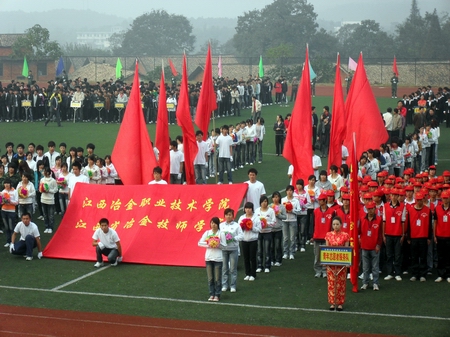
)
(249, 250)
(419, 252)
(443, 250)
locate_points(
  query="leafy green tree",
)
(216, 47)
(281, 22)
(370, 39)
(158, 33)
(410, 34)
(433, 46)
(36, 44)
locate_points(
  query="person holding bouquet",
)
(92, 171)
(251, 226)
(267, 218)
(290, 227)
(62, 181)
(336, 280)
(277, 229)
(214, 240)
(26, 193)
(233, 234)
(48, 188)
(9, 200)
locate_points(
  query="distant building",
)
(96, 39)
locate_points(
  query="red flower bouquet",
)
(43, 188)
(247, 224)
(213, 241)
(6, 198)
(263, 222)
(62, 183)
(276, 209)
(289, 207)
(23, 193)
(229, 237)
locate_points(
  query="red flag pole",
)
(162, 130)
(354, 214)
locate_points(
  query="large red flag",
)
(162, 131)
(172, 67)
(394, 67)
(298, 146)
(207, 100)
(363, 116)
(184, 121)
(338, 121)
(133, 154)
(354, 215)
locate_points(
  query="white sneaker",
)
(413, 279)
(40, 217)
(302, 250)
(307, 242)
(284, 256)
(317, 275)
(251, 278)
(115, 263)
(364, 286)
(389, 277)
(267, 270)
(398, 278)
(375, 287)
(291, 257)
(6, 245)
(230, 183)
(423, 279)
(371, 276)
(50, 231)
(277, 264)
(232, 170)
(224, 289)
(361, 277)
(324, 275)
(242, 166)
(219, 183)
(405, 272)
(448, 279)
(232, 290)
(29, 258)
(258, 270)
(46, 230)
(439, 279)
(348, 276)
(98, 264)
(246, 278)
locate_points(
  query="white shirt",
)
(109, 239)
(73, 180)
(254, 192)
(31, 229)
(344, 153)
(160, 182)
(51, 157)
(316, 162)
(203, 149)
(224, 143)
(176, 158)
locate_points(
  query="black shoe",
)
(332, 308)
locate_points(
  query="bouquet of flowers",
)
(108, 170)
(312, 195)
(334, 187)
(62, 183)
(6, 198)
(213, 241)
(263, 222)
(276, 209)
(43, 187)
(90, 174)
(246, 224)
(23, 193)
(229, 237)
(289, 207)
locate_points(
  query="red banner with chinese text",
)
(156, 224)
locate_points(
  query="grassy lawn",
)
(287, 297)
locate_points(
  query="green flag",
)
(261, 67)
(118, 68)
(25, 67)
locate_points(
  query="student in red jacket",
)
(370, 239)
(442, 237)
(419, 234)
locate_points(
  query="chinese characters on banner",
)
(157, 224)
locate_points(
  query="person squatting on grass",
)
(214, 241)
(106, 242)
(29, 238)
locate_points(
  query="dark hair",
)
(389, 109)
(157, 169)
(104, 220)
(327, 108)
(39, 147)
(21, 146)
(249, 204)
(276, 193)
(262, 199)
(90, 146)
(199, 132)
(228, 210)
(51, 144)
(338, 218)
(174, 143)
(345, 170)
(300, 182)
(289, 187)
(252, 170)
(311, 177)
(63, 144)
(76, 164)
(333, 168)
(80, 149)
(216, 220)
(92, 157)
(323, 173)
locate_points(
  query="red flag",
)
(162, 131)
(207, 100)
(354, 217)
(133, 154)
(338, 120)
(298, 146)
(172, 67)
(363, 115)
(184, 121)
(394, 67)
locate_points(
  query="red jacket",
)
(393, 217)
(419, 223)
(322, 222)
(442, 222)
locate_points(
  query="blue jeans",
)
(250, 155)
(200, 174)
(9, 220)
(225, 164)
(277, 247)
(214, 274)
(112, 254)
(289, 236)
(25, 247)
(63, 200)
(230, 261)
(301, 222)
(264, 245)
(370, 262)
(49, 215)
(22, 208)
(259, 149)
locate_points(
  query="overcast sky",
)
(383, 11)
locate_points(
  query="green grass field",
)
(287, 297)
